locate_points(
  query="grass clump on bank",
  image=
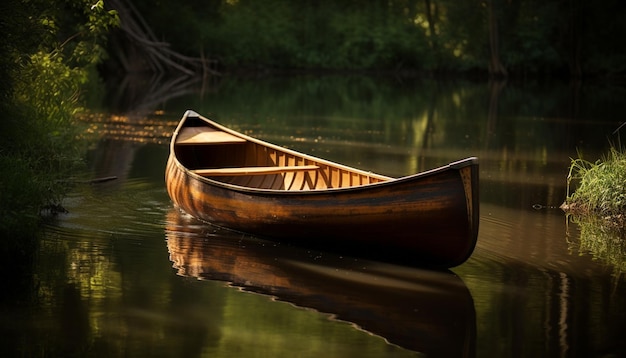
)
(598, 208)
(601, 191)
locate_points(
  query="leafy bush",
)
(46, 78)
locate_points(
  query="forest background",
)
(503, 38)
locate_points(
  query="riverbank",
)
(601, 189)
(46, 82)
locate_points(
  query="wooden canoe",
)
(428, 311)
(235, 181)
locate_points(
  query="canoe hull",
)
(424, 219)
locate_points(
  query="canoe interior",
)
(230, 158)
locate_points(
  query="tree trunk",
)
(575, 41)
(496, 68)
(431, 31)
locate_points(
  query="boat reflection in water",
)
(426, 311)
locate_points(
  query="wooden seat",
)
(205, 135)
(254, 170)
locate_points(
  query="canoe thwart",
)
(205, 135)
(254, 170)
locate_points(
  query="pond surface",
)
(123, 273)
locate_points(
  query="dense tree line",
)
(503, 37)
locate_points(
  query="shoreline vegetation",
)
(600, 191)
(48, 64)
(598, 207)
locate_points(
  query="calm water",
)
(126, 274)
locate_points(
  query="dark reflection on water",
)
(103, 281)
(530, 285)
(427, 311)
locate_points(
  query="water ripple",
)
(134, 208)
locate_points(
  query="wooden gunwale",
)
(254, 170)
(460, 164)
(302, 159)
(306, 160)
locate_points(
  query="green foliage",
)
(289, 34)
(528, 45)
(535, 37)
(602, 187)
(49, 58)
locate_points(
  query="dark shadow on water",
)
(426, 311)
(19, 252)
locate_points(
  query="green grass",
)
(601, 188)
(598, 207)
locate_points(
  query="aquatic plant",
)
(601, 190)
(598, 208)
